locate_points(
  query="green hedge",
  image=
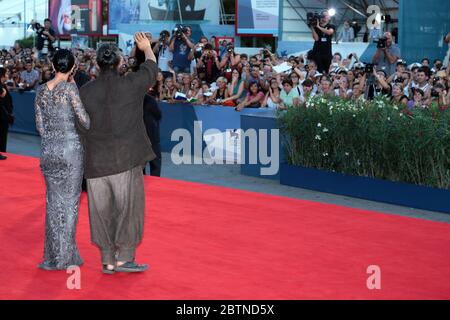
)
(374, 139)
(26, 42)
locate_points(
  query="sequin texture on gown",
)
(57, 112)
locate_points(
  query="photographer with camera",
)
(375, 82)
(208, 66)
(439, 95)
(229, 61)
(181, 46)
(387, 54)
(397, 76)
(197, 52)
(322, 32)
(163, 53)
(45, 36)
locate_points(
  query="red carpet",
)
(205, 242)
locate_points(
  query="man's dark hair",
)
(208, 46)
(384, 72)
(308, 83)
(425, 70)
(108, 57)
(47, 19)
(63, 61)
(253, 82)
(2, 72)
(166, 33)
(287, 81)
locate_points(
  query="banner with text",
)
(258, 17)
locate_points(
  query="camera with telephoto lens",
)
(266, 54)
(162, 38)
(179, 31)
(199, 51)
(381, 43)
(313, 18)
(368, 69)
(208, 51)
(399, 80)
(39, 28)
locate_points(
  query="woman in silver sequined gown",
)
(58, 107)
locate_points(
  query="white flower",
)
(325, 154)
(347, 154)
(318, 137)
(401, 114)
(325, 130)
(354, 116)
(389, 118)
(319, 125)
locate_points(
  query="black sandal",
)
(108, 271)
(131, 267)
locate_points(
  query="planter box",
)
(397, 193)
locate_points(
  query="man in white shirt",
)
(422, 81)
(161, 50)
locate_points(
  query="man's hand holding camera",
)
(180, 34)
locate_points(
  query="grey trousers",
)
(116, 213)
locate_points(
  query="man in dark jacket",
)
(6, 112)
(117, 148)
(152, 117)
(45, 36)
(81, 77)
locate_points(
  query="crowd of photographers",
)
(207, 73)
